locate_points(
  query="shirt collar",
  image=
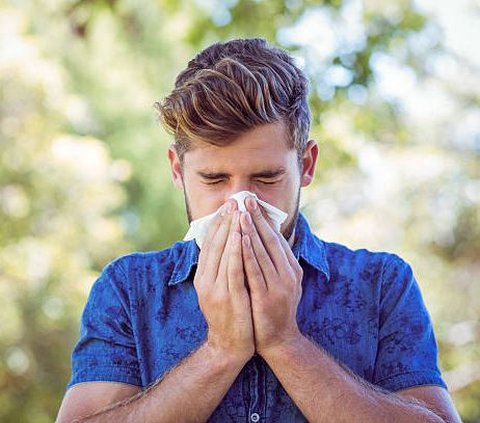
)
(310, 248)
(186, 259)
(306, 246)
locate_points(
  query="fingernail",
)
(248, 217)
(253, 203)
(226, 209)
(223, 210)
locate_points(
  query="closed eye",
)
(269, 177)
(210, 182)
(212, 178)
(268, 181)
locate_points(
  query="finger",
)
(260, 253)
(292, 260)
(288, 251)
(269, 237)
(236, 276)
(216, 248)
(212, 230)
(255, 279)
(222, 274)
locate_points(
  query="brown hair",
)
(230, 88)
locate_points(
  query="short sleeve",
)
(106, 349)
(407, 351)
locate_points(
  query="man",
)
(258, 325)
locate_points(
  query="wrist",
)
(227, 358)
(285, 347)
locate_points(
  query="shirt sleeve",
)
(106, 350)
(407, 351)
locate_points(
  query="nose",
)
(238, 187)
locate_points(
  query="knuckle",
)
(217, 299)
(224, 223)
(257, 212)
(261, 304)
(290, 275)
(256, 276)
(198, 281)
(298, 270)
(236, 273)
(253, 277)
(271, 238)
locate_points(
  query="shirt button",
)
(254, 417)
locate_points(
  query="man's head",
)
(240, 119)
(230, 88)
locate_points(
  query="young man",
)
(258, 324)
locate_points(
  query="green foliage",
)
(84, 176)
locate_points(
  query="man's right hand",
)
(221, 290)
(225, 303)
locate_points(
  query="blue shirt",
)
(365, 309)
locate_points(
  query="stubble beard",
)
(290, 228)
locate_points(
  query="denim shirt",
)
(365, 309)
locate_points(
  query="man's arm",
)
(321, 388)
(86, 398)
(188, 393)
(191, 391)
(436, 399)
(326, 392)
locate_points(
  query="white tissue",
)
(199, 227)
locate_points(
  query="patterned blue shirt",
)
(365, 309)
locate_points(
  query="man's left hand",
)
(274, 278)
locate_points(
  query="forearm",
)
(325, 392)
(188, 393)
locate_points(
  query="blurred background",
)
(395, 95)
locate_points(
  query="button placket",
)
(255, 403)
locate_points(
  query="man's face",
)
(258, 161)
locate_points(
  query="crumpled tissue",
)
(199, 227)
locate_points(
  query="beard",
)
(187, 207)
(287, 232)
(289, 229)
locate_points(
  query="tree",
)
(84, 176)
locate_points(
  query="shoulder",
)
(381, 271)
(339, 255)
(139, 259)
(137, 267)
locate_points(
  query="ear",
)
(309, 163)
(175, 167)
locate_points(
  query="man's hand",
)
(205, 376)
(221, 290)
(274, 278)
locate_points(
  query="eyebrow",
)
(262, 174)
(269, 173)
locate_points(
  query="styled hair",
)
(230, 88)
